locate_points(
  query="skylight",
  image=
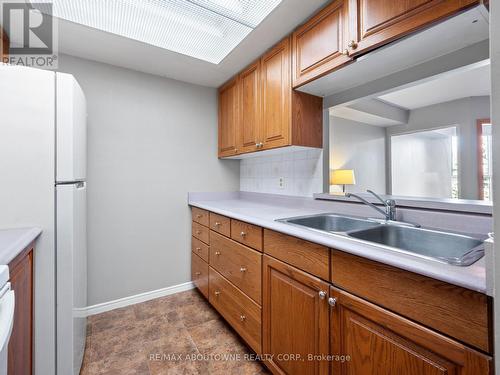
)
(205, 29)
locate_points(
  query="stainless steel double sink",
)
(450, 248)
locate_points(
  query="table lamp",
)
(342, 177)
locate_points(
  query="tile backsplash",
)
(298, 173)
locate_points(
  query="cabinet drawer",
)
(201, 232)
(460, 313)
(200, 216)
(239, 264)
(248, 234)
(199, 274)
(304, 255)
(220, 224)
(241, 312)
(199, 248)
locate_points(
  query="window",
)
(484, 156)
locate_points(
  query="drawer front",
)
(241, 312)
(247, 234)
(200, 216)
(460, 313)
(220, 224)
(199, 274)
(199, 248)
(201, 232)
(304, 255)
(237, 263)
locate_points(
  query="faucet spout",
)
(387, 216)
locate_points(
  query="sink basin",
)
(332, 223)
(440, 246)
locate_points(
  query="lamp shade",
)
(342, 177)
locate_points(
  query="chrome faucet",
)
(389, 204)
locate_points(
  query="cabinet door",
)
(320, 45)
(21, 340)
(228, 118)
(276, 96)
(374, 341)
(249, 124)
(4, 50)
(295, 318)
(381, 21)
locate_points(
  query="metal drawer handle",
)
(217, 293)
(243, 269)
(243, 318)
(332, 301)
(243, 234)
(217, 253)
(197, 273)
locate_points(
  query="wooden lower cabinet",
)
(199, 274)
(20, 356)
(295, 319)
(378, 342)
(242, 313)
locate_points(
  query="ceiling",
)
(81, 41)
(453, 85)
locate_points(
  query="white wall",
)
(27, 129)
(151, 140)
(301, 173)
(495, 118)
(358, 146)
(463, 113)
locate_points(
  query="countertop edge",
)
(352, 246)
(17, 246)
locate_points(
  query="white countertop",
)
(263, 210)
(13, 241)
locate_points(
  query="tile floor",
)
(138, 340)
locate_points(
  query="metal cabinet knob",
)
(243, 269)
(352, 44)
(217, 253)
(261, 144)
(198, 232)
(243, 318)
(217, 224)
(197, 273)
(198, 249)
(345, 52)
(217, 293)
(322, 294)
(332, 301)
(243, 234)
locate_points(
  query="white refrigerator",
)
(43, 152)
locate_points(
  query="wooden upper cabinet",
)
(4, 48)
(377, 22)
(319, 46)
(276, 96)
(295, 319)
(228, 118)
(249, 123)
(380, 342)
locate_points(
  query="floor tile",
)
(176, 334)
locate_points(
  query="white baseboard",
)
(132, 300)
